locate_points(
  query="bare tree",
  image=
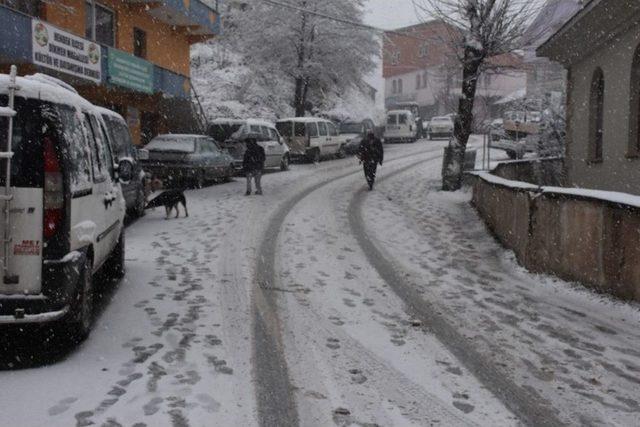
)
(490, 28)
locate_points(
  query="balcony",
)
(199, 17)
(142, 76)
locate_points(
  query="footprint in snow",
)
(152, 406)
(333, 343)
(62, 406)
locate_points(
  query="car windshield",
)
(351, 128)
(441, 120)
(172, 144)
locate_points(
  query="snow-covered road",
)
(322, 304)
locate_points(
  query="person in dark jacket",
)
(371, 154)
(253, 164)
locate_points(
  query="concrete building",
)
(420, 65)
(603, 96)
(132, 56)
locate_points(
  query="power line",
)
(341, 20)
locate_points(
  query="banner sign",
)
(130, 71)
(64, 52)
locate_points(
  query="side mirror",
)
(143, 154)
(125, 171)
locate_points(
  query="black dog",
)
(170, 199)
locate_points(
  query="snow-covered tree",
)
(303, 40)
(490, 28)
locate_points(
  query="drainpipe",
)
(93, 20)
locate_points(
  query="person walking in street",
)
(371, 154)
(253, 164)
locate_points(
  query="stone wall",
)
(579, 238)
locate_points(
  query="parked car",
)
(66, 205)
(401, 127)
(180, 160)
(352, 133)
(440, 127)
(123, 148)
(310, 138)
(232, 134)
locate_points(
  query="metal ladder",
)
(7, 196)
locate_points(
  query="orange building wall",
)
(166, 47)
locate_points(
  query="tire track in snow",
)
(530, 407)
(275, 400)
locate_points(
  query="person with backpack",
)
(371, 154)
(253, 164)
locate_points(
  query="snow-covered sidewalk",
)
(578, 352)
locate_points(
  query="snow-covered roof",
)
(513, 96)
(399, 112)
(35, 88)
(304, 120)
(553, 15)
(250, 121)
(180, 135)
(107, 112)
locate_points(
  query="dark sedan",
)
(187, 160)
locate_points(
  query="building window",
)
(139, 43)
(395, 58)
(100, 24)
(394, 85)
(634, 110)
(399, 85)
(596, 116)
(28, 7)
(418, 81)
(425, 79)
(424, 50)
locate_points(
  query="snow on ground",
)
(173, 343)
(578, 351)
(350, 343)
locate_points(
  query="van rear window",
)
(392, 119)
(289, 129)
(26, 165)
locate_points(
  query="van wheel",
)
(341, 153)
(284, 163)
(140, 205)
(315, 156)
(116, 264)
(81, 315)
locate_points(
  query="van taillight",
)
(53, 190)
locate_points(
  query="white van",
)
(232, 133)
(401, 127)
(311, 138)
(65, 202)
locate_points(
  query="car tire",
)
(80, 318)
(512, 154)
(140, 204)
(341, 154)
(115, 267)
(200, 180)
(315, 156)
(284, 163)
(430, 137)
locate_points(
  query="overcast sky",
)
(390, 14)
